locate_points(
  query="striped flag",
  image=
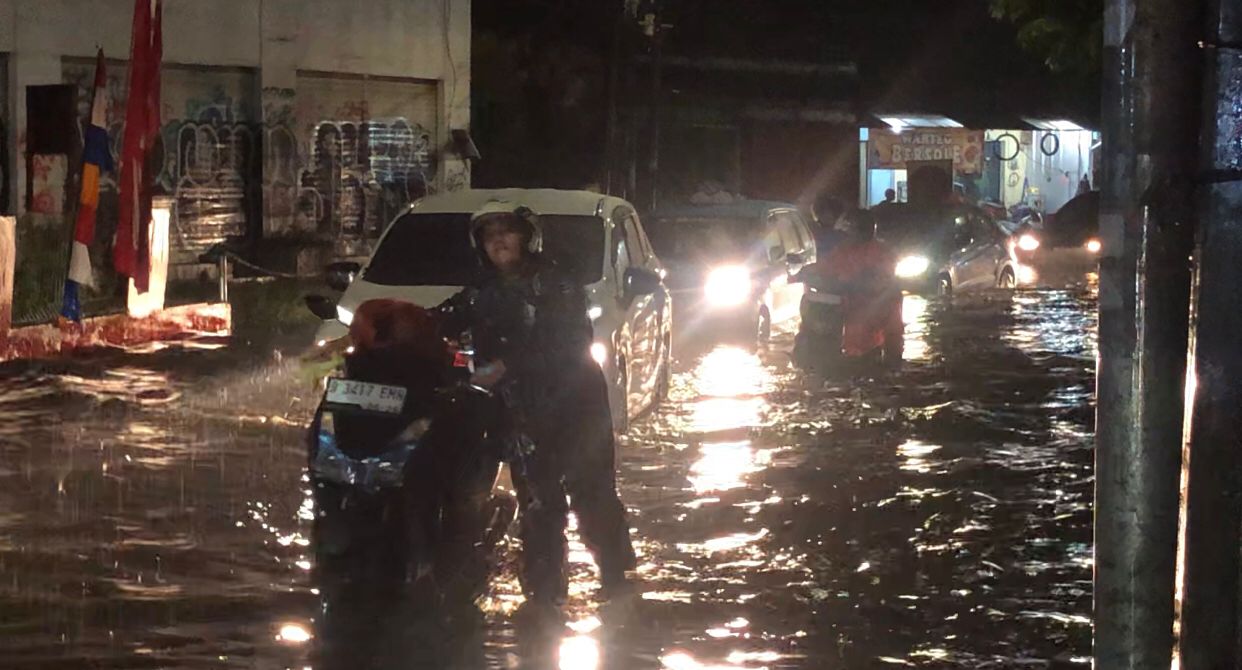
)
(96, 158)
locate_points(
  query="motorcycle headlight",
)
(912, 266)
(1093, 245)
(343, 315)
(1028, 242)
(728, 286)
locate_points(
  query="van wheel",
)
(1007, 279)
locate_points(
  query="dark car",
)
(1063, 247)
(1076, 224)
(941, 249)
(730, 264)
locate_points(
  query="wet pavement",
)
(154, 513)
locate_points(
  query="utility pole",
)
(1212, 513)
(611, 153)
(1151, 102)
(657, 71)
(654, 31)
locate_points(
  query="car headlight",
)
(728, 286)
(912, 266)
(1028, 242)
(1093, 245)
(343, 315)
(599, 352)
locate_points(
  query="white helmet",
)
(521, 215)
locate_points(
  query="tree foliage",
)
(1066, 34)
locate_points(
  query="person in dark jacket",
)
(530, 327)
(826, 210)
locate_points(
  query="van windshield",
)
(434, 249)
(710, 238)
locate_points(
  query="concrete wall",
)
(279, 43)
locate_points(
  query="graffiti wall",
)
(369, 148)
(209, 155)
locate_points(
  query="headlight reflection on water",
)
(914, 316)
(579, 652)
(724, 466)
(680, 660)
(294, 633)
(731, 382)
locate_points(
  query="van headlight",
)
(728, 286)
(343, 315)
(912, 266)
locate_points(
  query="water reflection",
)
(724, 466)
(914, 316)
(730, 383)
(579, 652)
(935, 518)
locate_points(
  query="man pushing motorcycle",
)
(858, 275)
(532, 336)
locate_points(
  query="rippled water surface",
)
(154, 513)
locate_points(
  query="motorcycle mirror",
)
(340, 275)
(321, 307)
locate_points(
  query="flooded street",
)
(154, 512)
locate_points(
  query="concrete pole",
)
(1212, 513)
(1151, 121)
(657, 72)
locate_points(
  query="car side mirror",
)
(641, 281)
(321, 307)
(340, 275)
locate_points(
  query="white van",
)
(425, 256)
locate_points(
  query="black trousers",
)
(572, 467)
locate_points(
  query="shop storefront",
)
(1041, 166)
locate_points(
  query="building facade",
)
(281, 118)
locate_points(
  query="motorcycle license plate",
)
(366, 396)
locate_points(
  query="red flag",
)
(131, 252)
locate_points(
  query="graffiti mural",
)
(360, 175)
(280, 160)
(210, 167)
(369, 148)
(208, 154)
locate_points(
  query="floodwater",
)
(154, 513)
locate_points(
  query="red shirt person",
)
(863, 267)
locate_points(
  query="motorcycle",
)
(403, 476)
(818, 346)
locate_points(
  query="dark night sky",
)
(540, 71)
(914, 55)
